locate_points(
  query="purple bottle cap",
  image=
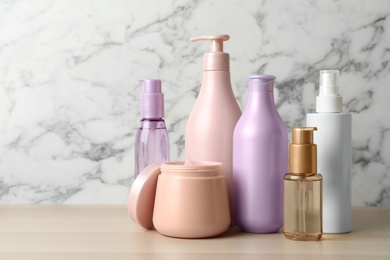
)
(152, 99)
(261, 83)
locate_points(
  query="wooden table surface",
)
(105, 232)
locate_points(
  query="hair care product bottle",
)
(260, 145)
(152, 143)
(334, 153)
(303, 188)
(209, 131)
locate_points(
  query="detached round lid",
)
(140, 204)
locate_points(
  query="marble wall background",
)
(69, 86)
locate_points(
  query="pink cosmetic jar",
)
(178, 199)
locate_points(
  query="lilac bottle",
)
(152, 143)
(260, 146)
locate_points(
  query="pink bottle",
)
(259, 161)
(210, 126)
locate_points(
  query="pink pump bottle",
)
(260, 145)
(152, 142)
(210, 126)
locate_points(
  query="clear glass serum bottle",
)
(303, 188)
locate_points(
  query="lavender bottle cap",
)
(261, 83)
(152, 99)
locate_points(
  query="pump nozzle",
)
(329, 99)
(152, 99)
(303, 152)
(216, 41)
(216, 59)
(303, 135)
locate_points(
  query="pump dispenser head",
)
(329, 99)
(152, 99)
(303, 152)
(216, 59)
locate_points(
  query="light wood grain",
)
(105, 232)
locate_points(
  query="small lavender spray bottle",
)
(152, 142)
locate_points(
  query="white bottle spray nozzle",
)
(329, 99)
(216, 59)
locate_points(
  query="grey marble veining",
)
(69, 91)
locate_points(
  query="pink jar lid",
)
(142, 194)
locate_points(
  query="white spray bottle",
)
(333, 140)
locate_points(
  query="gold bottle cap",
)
(303, 152)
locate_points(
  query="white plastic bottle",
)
(333, 140)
